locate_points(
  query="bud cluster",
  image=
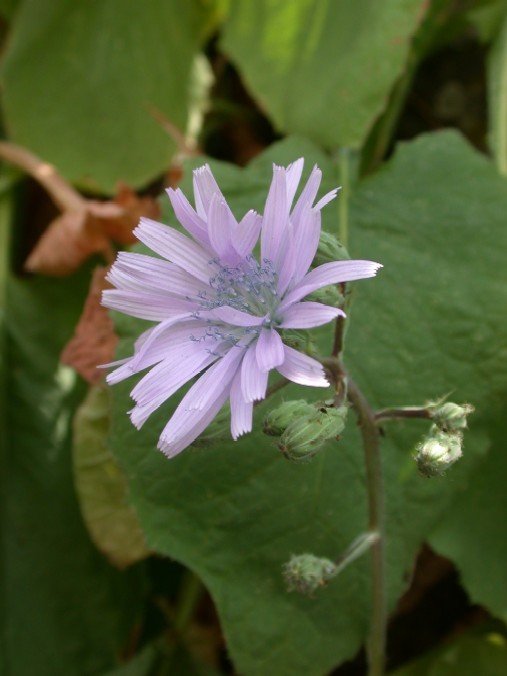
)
(444, 443)
(304, 428)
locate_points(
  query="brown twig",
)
(63, 194)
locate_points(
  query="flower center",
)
(249, 287)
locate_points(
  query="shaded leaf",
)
(95, 72)
(305, 62)
(101, 484)
(497, 108)
(64, 609)
(480, 651)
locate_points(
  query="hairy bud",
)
(277, 421)
(438, 451)
(329, 295)
(305, 573)
(451, 417)
(304, 437)
(329, 250)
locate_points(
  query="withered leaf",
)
(94, 341)
(78, 234)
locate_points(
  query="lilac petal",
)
(302, 369)
(186, 215)
(330, 273)
(308, 195)
(158, 344)
(142, 352)
(241, 410)
(254, 382)
(188, 422)
(220, 227)
(307, 314)
(172, 370)
(229, 315)
(175, 247)
(205, 188)
(306, 242)
(140, 272)
(294, 172)
(328, 197)
(149, 349)
(287, 265)
(163, 381)
(223, 370)
(185, 425)
(245, 235)
(146, 304)
(275, 216)
(269, 350)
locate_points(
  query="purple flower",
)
(218, 308)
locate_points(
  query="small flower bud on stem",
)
(438, 451)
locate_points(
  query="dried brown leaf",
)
(94, 341)
(78, 234)
(69, 240)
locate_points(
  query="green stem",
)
(406, 412)
(191, 591)
(343, 200)
(375, 487)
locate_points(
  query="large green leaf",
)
(436, 216)
(430, 323)
(321, 68)
(64, 609)
(474, 533)
(101, 486)
(81, 81)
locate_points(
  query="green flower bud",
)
(451, 417)
(300, 341)
(305, 436)
(438, 451)
(277, 421)
(329, 295)
(305, 573)
(329, 250)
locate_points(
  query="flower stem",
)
(191, 593)
(343, 200)
(406, 412)
(375, 486)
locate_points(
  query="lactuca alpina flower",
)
(219, 308)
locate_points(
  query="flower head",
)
(219, 308)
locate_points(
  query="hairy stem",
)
(375, 486)
(407, 412)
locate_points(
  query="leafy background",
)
(115, 561)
